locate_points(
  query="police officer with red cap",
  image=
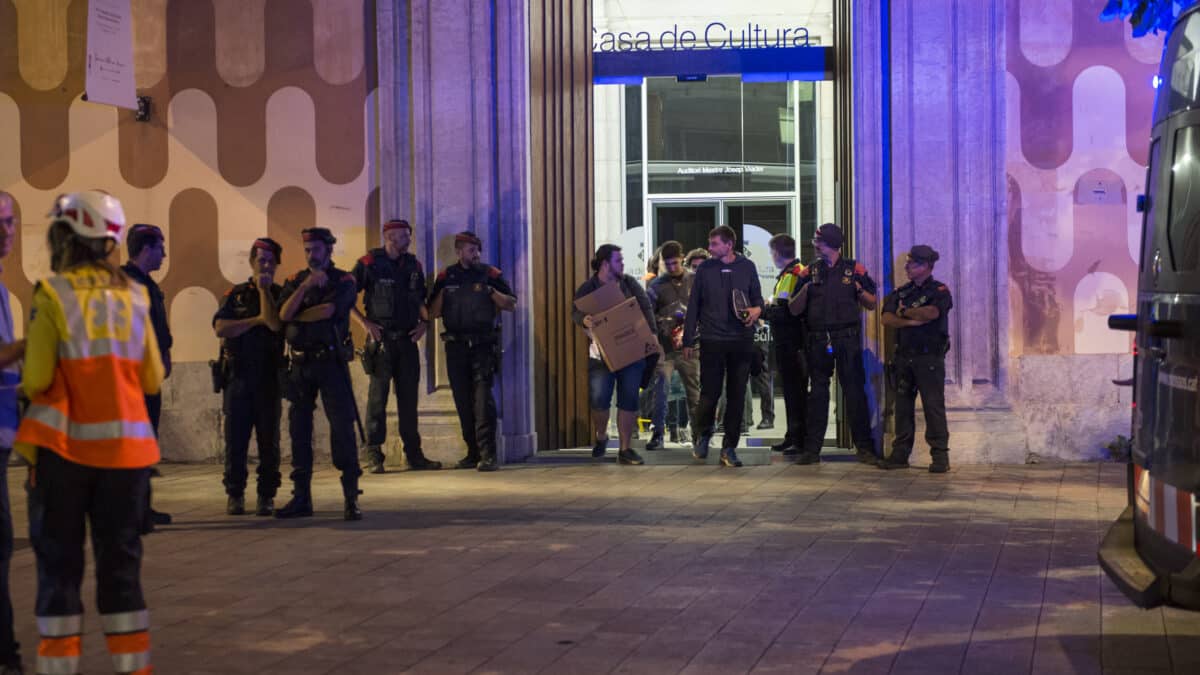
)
(251, 355)
(833, 292)
(469, 297)
(315, 309)
(919, 310)
(396, 318)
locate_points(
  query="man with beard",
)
(394, 286)
(469, 297)
(316, 306)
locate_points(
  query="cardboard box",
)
(619, 327)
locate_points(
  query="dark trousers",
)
(65, 500)
(9, 647)
(793, 375)
(330, 379)
(924, 374)
(472, 371)
(398, 363)
(847, 357)
(252, 403)
(763, 386)
(727, 364)
(154, 410)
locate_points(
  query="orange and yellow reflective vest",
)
(91, 356)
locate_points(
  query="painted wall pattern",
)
(263, 124)
(1079, 101)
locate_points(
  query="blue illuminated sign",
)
(715, 35)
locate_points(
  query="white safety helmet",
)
(92, 214)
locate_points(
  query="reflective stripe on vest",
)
(93, 413)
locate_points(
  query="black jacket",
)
(710, 308)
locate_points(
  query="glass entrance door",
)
(685, 222)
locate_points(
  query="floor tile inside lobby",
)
(600, 568)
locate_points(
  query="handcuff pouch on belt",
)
(220, 371)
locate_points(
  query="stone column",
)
(453, 149)
(947, 67)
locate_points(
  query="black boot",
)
(467, 462)
(894, 461)
(265, 506)
(350, 510)
(941, 461)
(866, 456)
(488, 463)
(423, 463)
(235, 505)
(299, 506)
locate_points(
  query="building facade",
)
(1010, 135)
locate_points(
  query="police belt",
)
(394, 335)
(938, 349)
(833, 332)
(312, 355)
(470, 338)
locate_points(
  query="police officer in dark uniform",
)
(315, 307)
(394, 285)
(833, 292)
(919, 310)
(469, 297)
(251, 355)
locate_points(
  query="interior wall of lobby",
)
(998, 136)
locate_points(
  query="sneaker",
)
(374, 460)
(808, 457)
(700, 450)
(467, 462)
(767, 423)
(629, 456)
(893, 462)
(488, 464)
(865, 457)
(265, 506)
(729, 458)
(684, 437)
(655, 442)
(235, 505)
(600, 448)
(350, 510)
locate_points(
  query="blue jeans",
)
(601, 382)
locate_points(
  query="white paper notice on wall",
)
(109, 70)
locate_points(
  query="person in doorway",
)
(725, 303)
(393, 284)
(11, 351)
(90, 359)
(608, 267)
(788, 335)
(145, 245)
(469, 296)
(919, 311)
(834, 290)
(251, 355)
(669, 294)
(315, 306)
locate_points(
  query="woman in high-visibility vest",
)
(90, 357)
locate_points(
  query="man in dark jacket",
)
(146, 247)
(725, 303)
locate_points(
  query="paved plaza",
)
(581, 568)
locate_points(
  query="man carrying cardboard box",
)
(616, 314)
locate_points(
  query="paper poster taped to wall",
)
(109, 76)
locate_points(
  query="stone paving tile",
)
(600, 568)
